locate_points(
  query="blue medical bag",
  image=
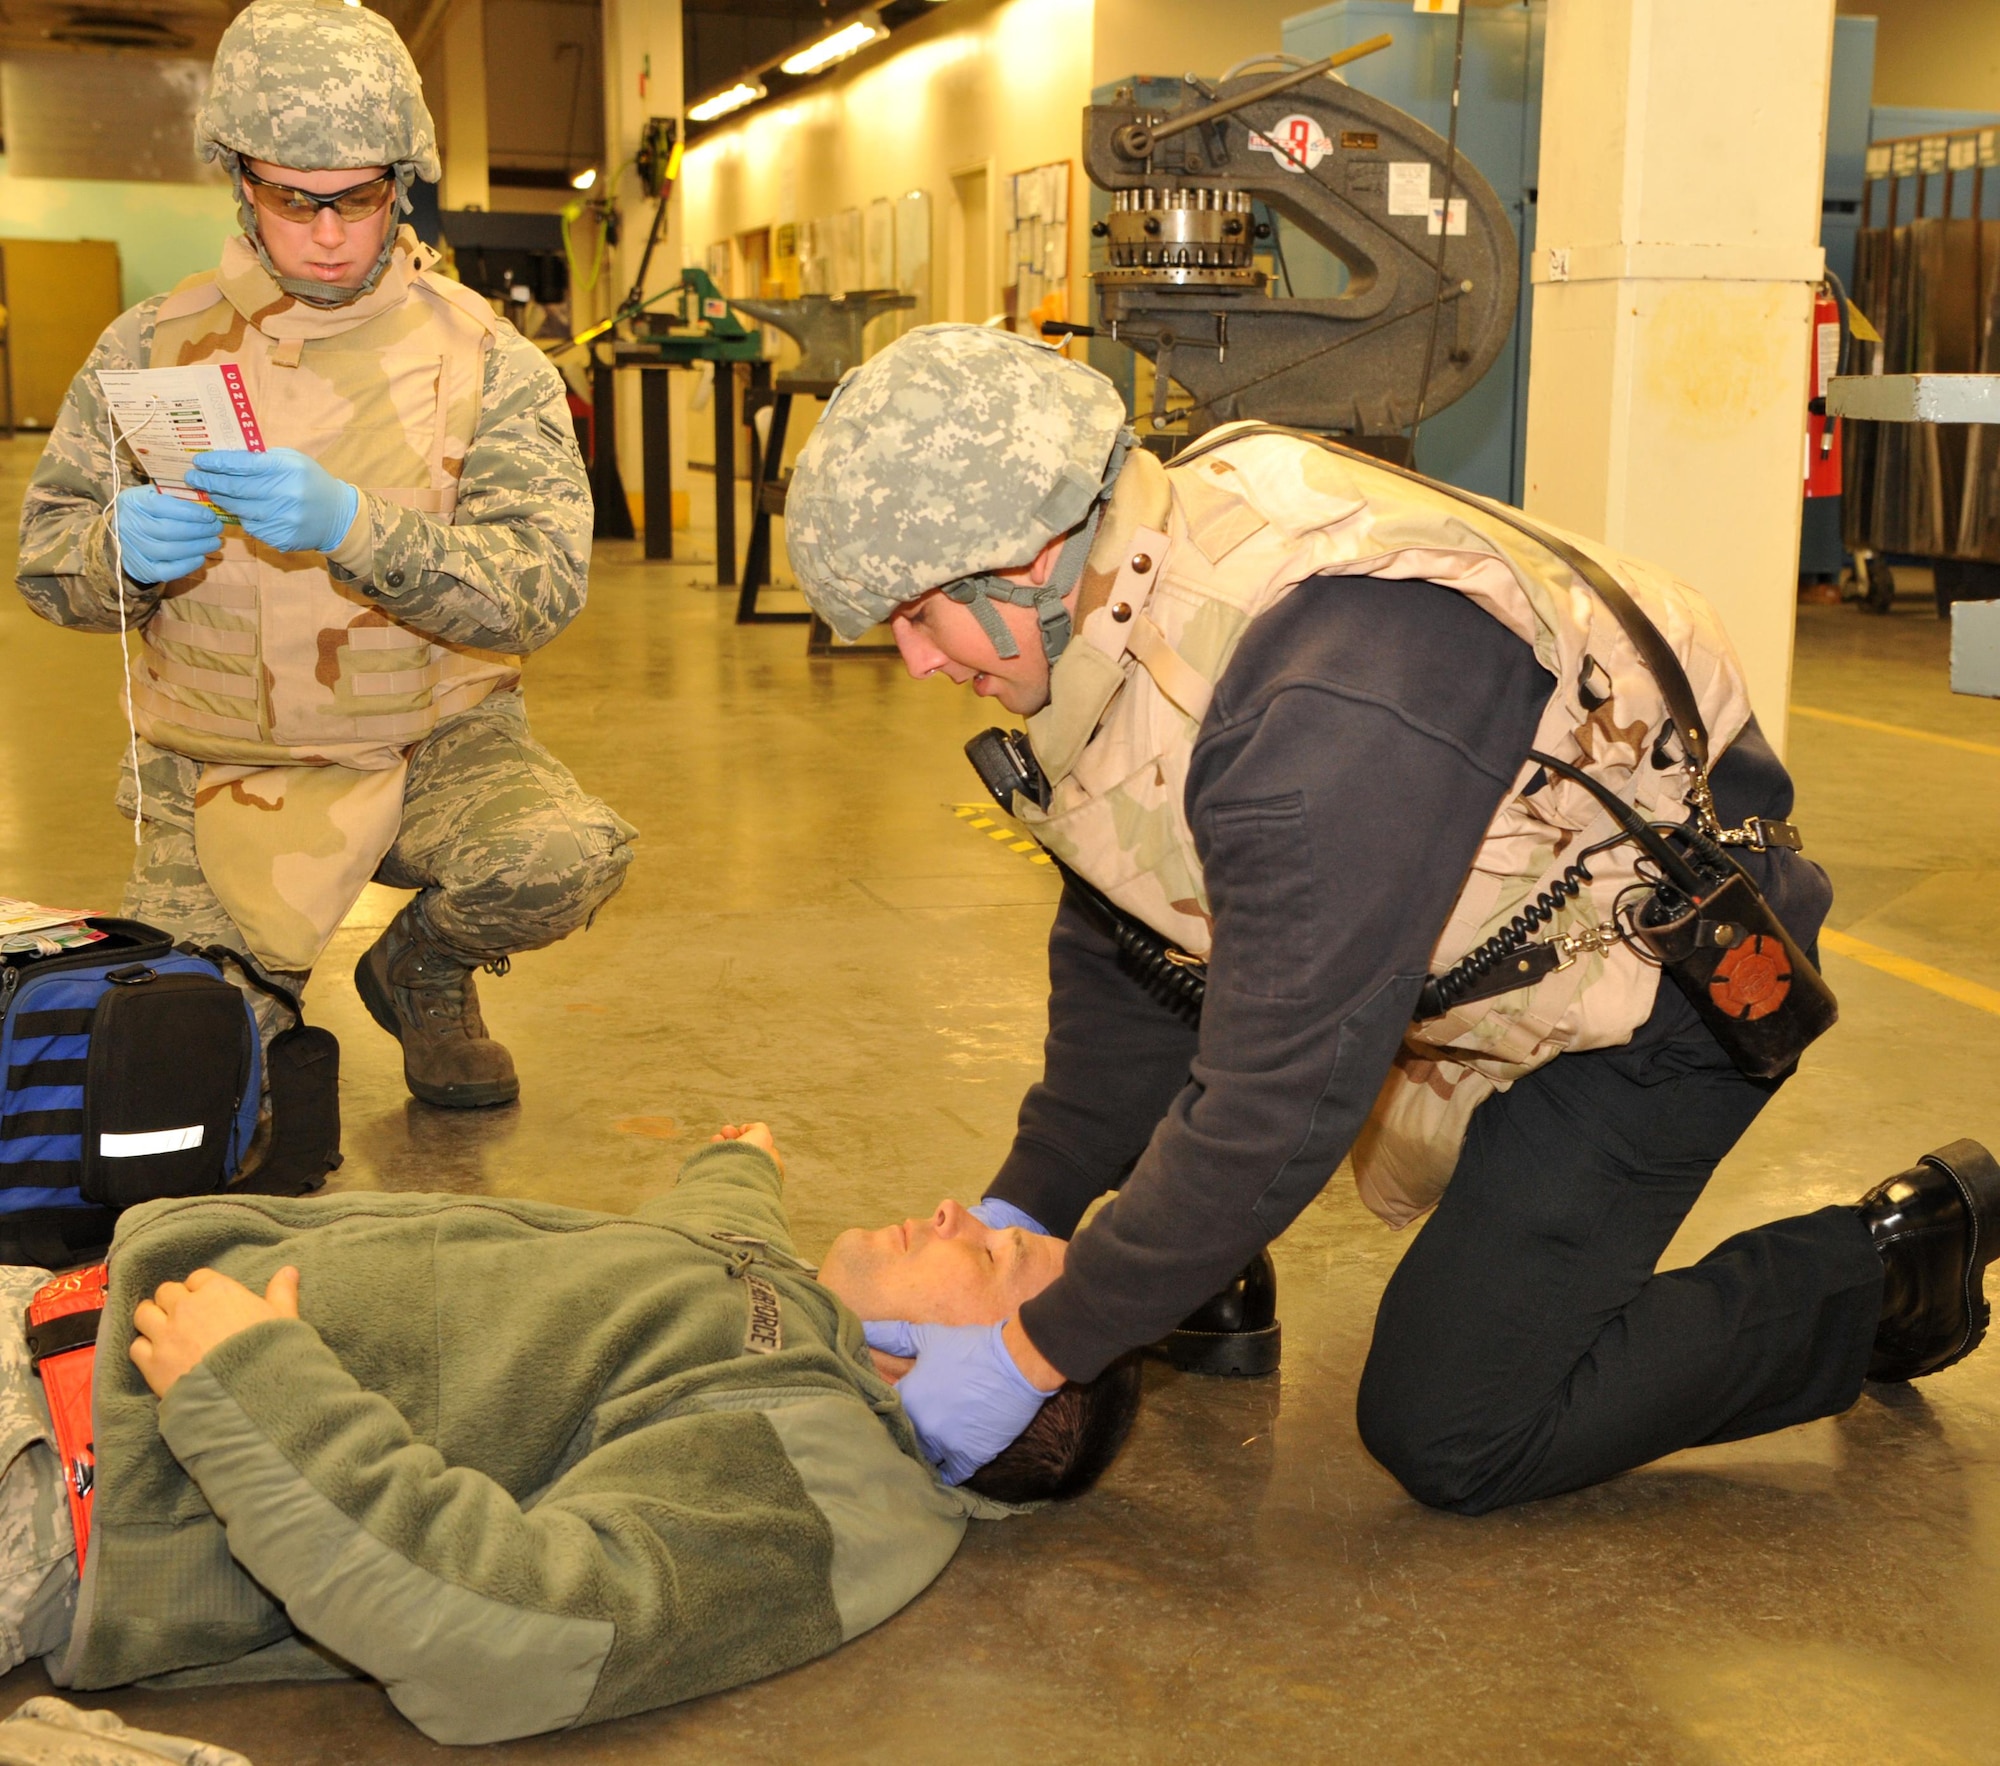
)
(129, 1070)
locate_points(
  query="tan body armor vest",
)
(1187, 557)
(262, 658)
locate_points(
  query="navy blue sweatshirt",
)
(1358, 745)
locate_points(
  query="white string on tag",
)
(124, 649)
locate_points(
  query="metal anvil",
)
(827, 328)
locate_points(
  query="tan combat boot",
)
(424, 997)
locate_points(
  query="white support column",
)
(642, 78)
(1683, 144)
(462, 54)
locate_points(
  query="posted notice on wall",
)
(169, 415)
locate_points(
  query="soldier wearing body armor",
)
(1283, 700)
(328, 688)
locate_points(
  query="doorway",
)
(753, 265)
(971, 264)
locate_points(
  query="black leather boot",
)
(1237, 1333)
(1937, 1227)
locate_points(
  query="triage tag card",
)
(169, 415)
(17, 915)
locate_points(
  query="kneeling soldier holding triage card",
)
(327, 689)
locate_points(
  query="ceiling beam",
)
(430, 25)
(800, 12)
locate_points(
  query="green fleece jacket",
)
(529, 1467)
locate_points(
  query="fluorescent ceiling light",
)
(584, 179)
(837, 46)
(742, 93)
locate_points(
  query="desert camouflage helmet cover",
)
(316, 84)
(957, 451)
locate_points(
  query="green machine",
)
(680, 327)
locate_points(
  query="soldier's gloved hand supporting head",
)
(161, 538)
(1000, 1215)
(284, 498)
(965, 1397)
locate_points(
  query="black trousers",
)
(1526, 1346)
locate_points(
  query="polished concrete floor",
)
(812, 936)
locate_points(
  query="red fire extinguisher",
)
(1823, 432)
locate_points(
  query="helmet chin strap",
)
(320, 294)
(970, 591)
(980, 592)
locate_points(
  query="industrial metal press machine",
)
(1430, 268)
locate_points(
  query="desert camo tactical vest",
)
(1188, 556)
(262, 658)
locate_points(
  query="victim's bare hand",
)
(185, 1320)
(754, 1134)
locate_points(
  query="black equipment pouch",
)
(1007, 767)
(1707, 924)
(302, 1070)
(304, 1065)
(1759, 994)
(164, 1048)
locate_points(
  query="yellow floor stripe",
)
(1953, 987)
(1001, 828)
(1882, 729)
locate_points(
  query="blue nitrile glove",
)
(965, 1397)
(284, 498)
(890, 1335)
(1000, 1215)
(161, 538)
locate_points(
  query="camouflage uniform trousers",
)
(50, 1731)
(37, 1545)
(508, 851)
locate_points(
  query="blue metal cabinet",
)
(1477, 443)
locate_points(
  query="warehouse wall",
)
(1183, 36)
(992, 85)
(163, 231)
(998, 84)
(1938, 54)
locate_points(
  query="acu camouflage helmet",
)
(315, 85)
(958, 451)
